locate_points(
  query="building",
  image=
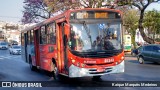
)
(10, 31)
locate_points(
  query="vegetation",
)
(141, 5)
(56, 5)
(36, 9)
(130, 21)
(152, 23)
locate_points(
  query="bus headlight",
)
(122, 58)
(73, 61)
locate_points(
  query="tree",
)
(141, 5)
(152, 23)
(130, 21)
(56, 5)
(96, 3)
(34, 11)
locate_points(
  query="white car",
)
(3, 45)
(15, 49)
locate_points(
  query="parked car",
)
(136, 51)
(149, 53)
(15, 49)
(3, 45)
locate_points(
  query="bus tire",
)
(54, 72)
(33, 68)
(96, 78)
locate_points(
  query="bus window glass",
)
(48, 28)
(51, 33)
(32, 39)
(43, 39)
(28, 37)
(95, 37)
(22, 38)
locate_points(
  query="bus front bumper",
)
(75, 71)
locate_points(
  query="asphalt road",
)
(13, 68)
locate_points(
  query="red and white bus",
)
(76, 43)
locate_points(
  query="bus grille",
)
(97, 54)
(94, 71)
(99, 64)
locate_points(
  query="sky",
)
(11, 10)
(154, 6)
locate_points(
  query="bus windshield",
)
(95, 36)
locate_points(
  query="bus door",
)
(36, 47)
(47, 47)
(32, 46)
(25, 47)
(63, 47)
(44, 62)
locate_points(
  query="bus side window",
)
(40, 38)
(43, 35)
(51, 36)
(22, 39)
(31, 38)
(28, 37)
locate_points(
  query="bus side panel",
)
(44, 61)
(30, 54)
(47, 53)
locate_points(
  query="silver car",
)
(15, 49)
(3, 45)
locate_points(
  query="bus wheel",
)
(55, 72)
(33, 68)
(96, 78)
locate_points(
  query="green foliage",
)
(157, 39)
(141, 5)
(56, 5)
(130, 20)
(152, 21)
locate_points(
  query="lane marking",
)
(8, 57)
